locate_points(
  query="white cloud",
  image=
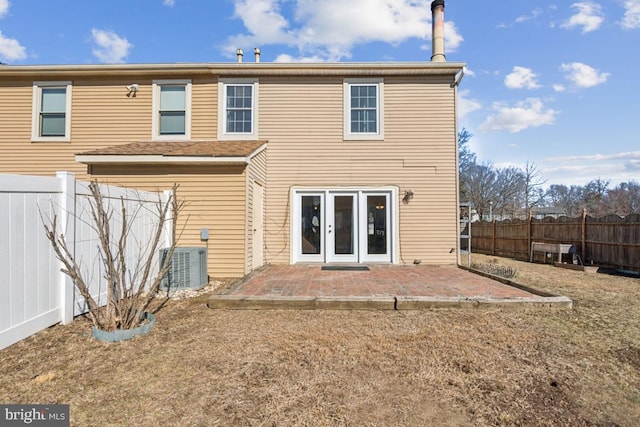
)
(283, 57)
(559, 88)
(4, 7)
(631, 18)
(632, 166)
(328, 29)
(169, 3)
(583, 75)
(520, 78)
(589, 16)
(466, 105)
(534, 14)
(523, 115)
(110, 47)
(618, 167)
(599, 157)
(11, 49)
(452, 37)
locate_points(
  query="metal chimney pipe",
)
(256, 51)
(239, 53)
(437, 31)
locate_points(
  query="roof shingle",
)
(180, 148)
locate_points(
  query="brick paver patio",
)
(380, 280)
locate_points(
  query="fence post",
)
(583, 232)
(67, 218)
(493, 238)
(529, 236)
(169, 223)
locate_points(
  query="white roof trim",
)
(158, 159)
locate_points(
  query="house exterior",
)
(282, 163)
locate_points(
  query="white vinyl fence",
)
(34, 293)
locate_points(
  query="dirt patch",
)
(339, 368)
(630, 355)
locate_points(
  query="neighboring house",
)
(283, 163)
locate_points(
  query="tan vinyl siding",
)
(204, 113)
(19, 154)
(215, 199)
(102, 115)
(302, 119)
(419, 131)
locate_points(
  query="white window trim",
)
(223, 135)
(362, 136)
(35, 117)
(155, 119)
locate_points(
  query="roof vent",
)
(256, 51)
(239, 53)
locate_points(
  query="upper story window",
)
(171, 109)
(51, 111)
(363, 109)
(238, 109)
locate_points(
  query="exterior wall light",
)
(408, 196)
(132, 89)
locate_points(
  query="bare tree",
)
(593, 195)
(131, 286)
(480, 187)
(509, 182)
(466, 160)
(568, 199)
(532, 187)
(623, 200)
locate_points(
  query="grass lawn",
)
(362, 368)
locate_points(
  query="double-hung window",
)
(51, 111)
(238, 109)
(363, 109)
(171, 109)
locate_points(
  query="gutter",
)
(159, 159)
(235, 69)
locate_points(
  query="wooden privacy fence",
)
(608, 241)
(34, 293)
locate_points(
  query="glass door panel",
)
(377, 240)
(343, 223)
(342, 228)
(311, 236)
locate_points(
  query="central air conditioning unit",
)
(188, 268)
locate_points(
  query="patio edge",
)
(229, 302)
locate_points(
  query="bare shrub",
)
(131, 285)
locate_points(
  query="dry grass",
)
(333, 368)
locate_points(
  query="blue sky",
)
(553, 83)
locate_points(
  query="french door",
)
(342, 226)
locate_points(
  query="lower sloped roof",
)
(174, 152)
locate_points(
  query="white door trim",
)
(391, 192)
(297, 254)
